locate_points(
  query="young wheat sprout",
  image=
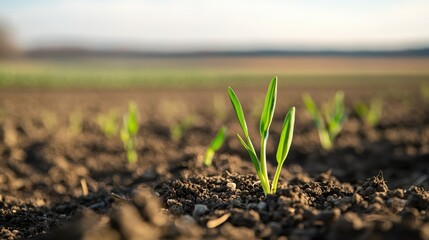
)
(129, 132)
(215, 145)
(260, 163)
(329, 119)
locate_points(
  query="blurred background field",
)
(81, 44)
(206, 71)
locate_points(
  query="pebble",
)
(262, 206)
(231, 185)
(199, 210)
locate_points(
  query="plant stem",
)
(209, 157)
(325, 140)
(276, 178)
(264, 160)
(264, 184)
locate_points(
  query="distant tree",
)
(7, 47)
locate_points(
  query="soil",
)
(56, 183)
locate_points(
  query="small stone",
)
(200, 209)
(262, 206)
(231, 186)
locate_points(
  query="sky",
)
(218, 25)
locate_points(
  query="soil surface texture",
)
(61, 177)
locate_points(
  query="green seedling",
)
(108, 123)
(266, 118)
(178, 130)
(329, 120)
(75, 123)
(371, 114)
(215, 145)
(129, 132)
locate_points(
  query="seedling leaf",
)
(269, 106)
(132, 119)
(252, 154)
(219, 139)
(286, 136)
(329, 121)
(129, 131)
(371, 114)
(215, 145)
(238, 111)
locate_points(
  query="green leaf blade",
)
(269, 106)
(314, 111)
(219, 139)
(286, 136)
(252, 154)
(238, 111)
(339, 112)
(309, 104)
(132, 120)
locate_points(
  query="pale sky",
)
(219, 24)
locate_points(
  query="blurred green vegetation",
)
(137, 73)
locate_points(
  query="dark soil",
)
(372, 185)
